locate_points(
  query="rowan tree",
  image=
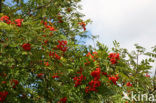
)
(43, 58)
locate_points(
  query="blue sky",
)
(9, 1)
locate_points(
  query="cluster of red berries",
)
(114, 79)
(114, 57)
(68, 9)
(59, 18)
(19, 22)
(26, 46)
(83, 25)
(14, 82)
(3, 95)
(78, 80)
(96, 74)
(45, 42)
(128, 84)
(104, 73)
(63, 100)
(55, 76)
(93, 85)
(62, 45)
(3, 82)
(91, 57)
(147, 75)
(51, 28)
(3, 74)
(80, 71)
(46, 63)
(54, 55)
(95, 82)
(40, 75)
(6, 19)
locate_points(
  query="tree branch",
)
(0, 6)
(154, 80)
(39, 7)
(154, 85)
(46, 5)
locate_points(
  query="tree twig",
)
(0, 6)
(46, 5)
(154, 84)
(39, 7)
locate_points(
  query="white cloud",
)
(127, 21)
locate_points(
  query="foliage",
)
(42, 61)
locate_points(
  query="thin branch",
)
(0, 6)
(39, 7)
(154, 80)
(137, 62)
(44, 6)
(154, 84)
